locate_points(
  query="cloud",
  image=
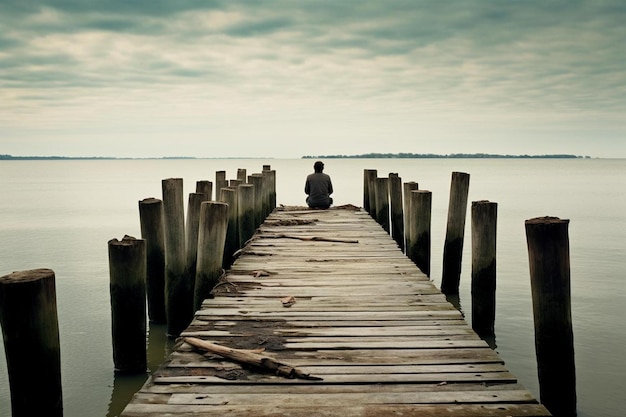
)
(420, 67)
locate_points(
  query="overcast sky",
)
(151, 78)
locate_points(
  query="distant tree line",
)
(435, 156)
(5, 157)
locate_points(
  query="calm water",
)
(61, 214)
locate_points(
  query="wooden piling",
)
(211, 239)
(152, 231)
(268, 187)
(231, 244)
(257, 180)
(548, 253)
(242, 175)
(127, 271)
(484, 221)
(30, 329)
(372, 174)
(396, 209)
(368, 174)
(272, 189)
(191, 247)
(245, 207)
(455, 231)
(419, 239)
(205, 187)
(178, 309)
(382, 202)
(220, 182)
(407, 188)
(269, 193)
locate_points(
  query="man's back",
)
(318, 186)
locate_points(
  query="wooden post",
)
(273, 189)
(177, 306)
(231, 244)
(241, 175)
(30, 329)
(419, 240)
(272, 192)
(267, 191)
(455, 231)
(220, 182)
(127, 271)
(192, 231)
(257, 180)
(245, 206)
(371, 180)
(382, 203)
(484, 220)
(151, 219)
(211, 239)
(367, 181)
(395, 203)
(205, 187)
(548, 253)
(407, 188)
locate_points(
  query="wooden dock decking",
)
(380, 336)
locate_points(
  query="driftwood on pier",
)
(252, 358)
(311, 238)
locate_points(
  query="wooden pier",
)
(329, 294)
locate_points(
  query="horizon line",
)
(373, 155)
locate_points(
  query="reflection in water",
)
(159, 345)
(124, 385)
(455, 300)
(491, 341)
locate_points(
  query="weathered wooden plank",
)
(345, 368)
(364, 332)
(373, 410)
(411, 389)
(330, 287)
(387, 344)
(313, 400)
(384, 302)
(398, 356)
(251, 378)
(371, 342)
(365, 292)
(306, 304)
(315, 279)
(421, 356)
(209, 322)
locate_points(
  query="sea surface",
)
(61, 214)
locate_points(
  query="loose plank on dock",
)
(374, 330)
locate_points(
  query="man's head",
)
(318, 166)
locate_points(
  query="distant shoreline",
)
(447, 156)
(360, 156)
(106, 158)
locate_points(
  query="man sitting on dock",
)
(318, 188)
